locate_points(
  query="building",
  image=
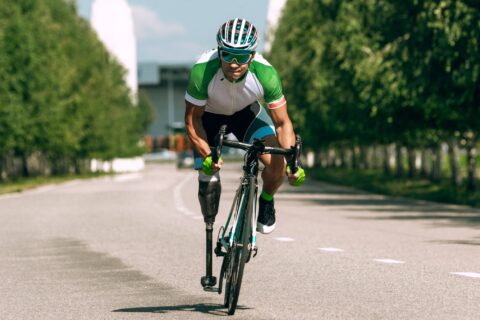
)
(113, 22)
(164, 86)
(274, 14)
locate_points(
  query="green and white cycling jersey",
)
(209, 87)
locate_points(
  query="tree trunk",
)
(412, 157)
(354, 158)
(386, 161)
(25, 170)
(9, 170)
(424, 162)
(437, 163)
(453, 159)
(3, 171)
(364, 163)
(318, 158)
(331, 158)
(343, 157)
(376, 157)
(471, 165)
(323, 158)
(399, 160)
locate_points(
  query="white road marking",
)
(177, 196)
(284, 239)
(390, 261)
(467, 274)
(331, 249)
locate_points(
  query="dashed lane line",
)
(389, 261)
(467, 274)
(331, 249)
(284, 239)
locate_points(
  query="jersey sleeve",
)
(200, 77)
(271, 83)
(197, 92)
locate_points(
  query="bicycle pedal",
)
(210, 289)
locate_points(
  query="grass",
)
(417, 188)
(24, 184)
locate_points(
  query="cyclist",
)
(229, 85)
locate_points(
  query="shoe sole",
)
(265, 229)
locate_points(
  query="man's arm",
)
(283, 126)
(195, 130)
(286, 138)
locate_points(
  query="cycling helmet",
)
(237, 35)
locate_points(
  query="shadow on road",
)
(472, 242)
(360, 205)
(213, 309)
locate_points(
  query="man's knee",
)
(275, 167)
(209, 191)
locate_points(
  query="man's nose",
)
(234, 64)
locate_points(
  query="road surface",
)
(132, 247)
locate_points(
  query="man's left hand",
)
(296, 179)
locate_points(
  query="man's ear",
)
(253, 56)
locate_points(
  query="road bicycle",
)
(236, 241)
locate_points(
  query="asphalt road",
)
(132, 247)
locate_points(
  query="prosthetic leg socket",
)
(209, 197)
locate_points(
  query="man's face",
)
(234, 70)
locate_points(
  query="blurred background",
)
(386, 94)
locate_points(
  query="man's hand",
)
(296, 179)
(209, 167)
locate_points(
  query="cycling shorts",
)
(252, 122)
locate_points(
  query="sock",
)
(267, 197)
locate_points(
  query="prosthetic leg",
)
(209, 191)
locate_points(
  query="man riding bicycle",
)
(230, 85)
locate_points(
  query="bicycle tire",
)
(226, 270)
(239, 254)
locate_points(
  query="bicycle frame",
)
(250, 172)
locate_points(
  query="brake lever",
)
(295, 162)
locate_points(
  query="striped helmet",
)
(237, 35)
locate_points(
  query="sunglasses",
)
(240, 58)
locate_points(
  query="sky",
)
(178, 31)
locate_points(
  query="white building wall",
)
(274, 13)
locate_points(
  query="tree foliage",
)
(61, 93)
(369, 71)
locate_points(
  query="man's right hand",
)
(209, 167)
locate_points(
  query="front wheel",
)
(239, 252)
